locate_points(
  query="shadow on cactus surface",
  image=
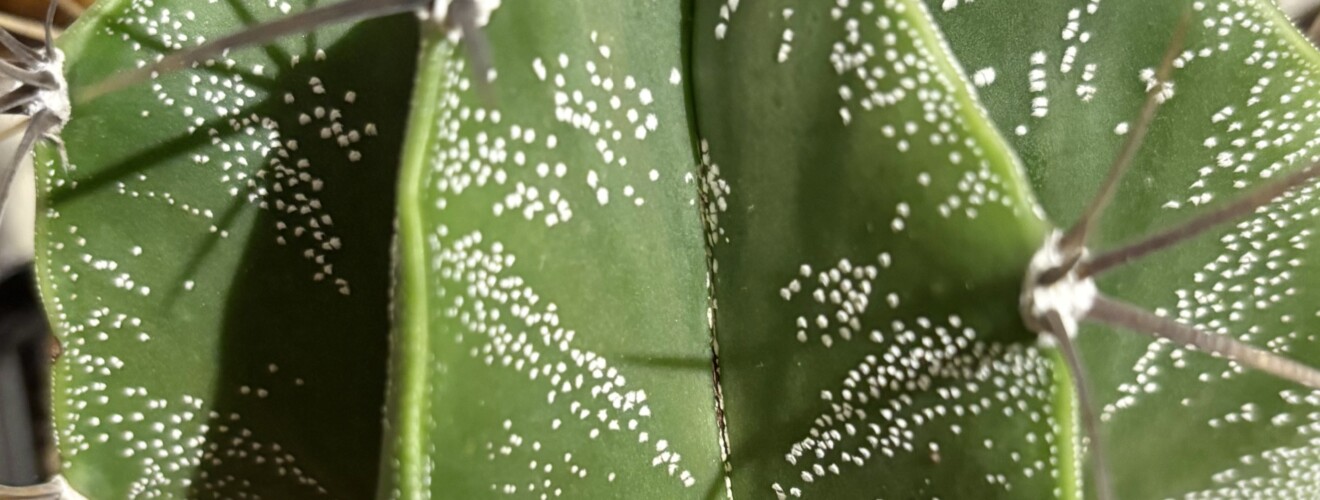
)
(682, 250)
(231, 324)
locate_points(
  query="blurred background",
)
(26, 453)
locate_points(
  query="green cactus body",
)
(587, 374)
(675, 250)
(222, 304)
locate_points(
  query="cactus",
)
(232, 322)
(670, 250)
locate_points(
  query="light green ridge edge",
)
(1065, 410)
(72, 41)
(997, 149)
(977, 118)
(1300, 43)
(412, 326)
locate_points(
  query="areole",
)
(1059, 288)
(39, 91)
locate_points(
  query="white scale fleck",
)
(846, 288)
(543, 175)
(713, 191)
(878, 412)
(983, 77)
(727, 8)
(1248, 288)
(608, 111)
(877, 77)
(1233, 293)
(510, 326)
(1040, 105)
(786, 38)
(166, 437)
(1283, 472)
(248, 158)
(251, 157)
